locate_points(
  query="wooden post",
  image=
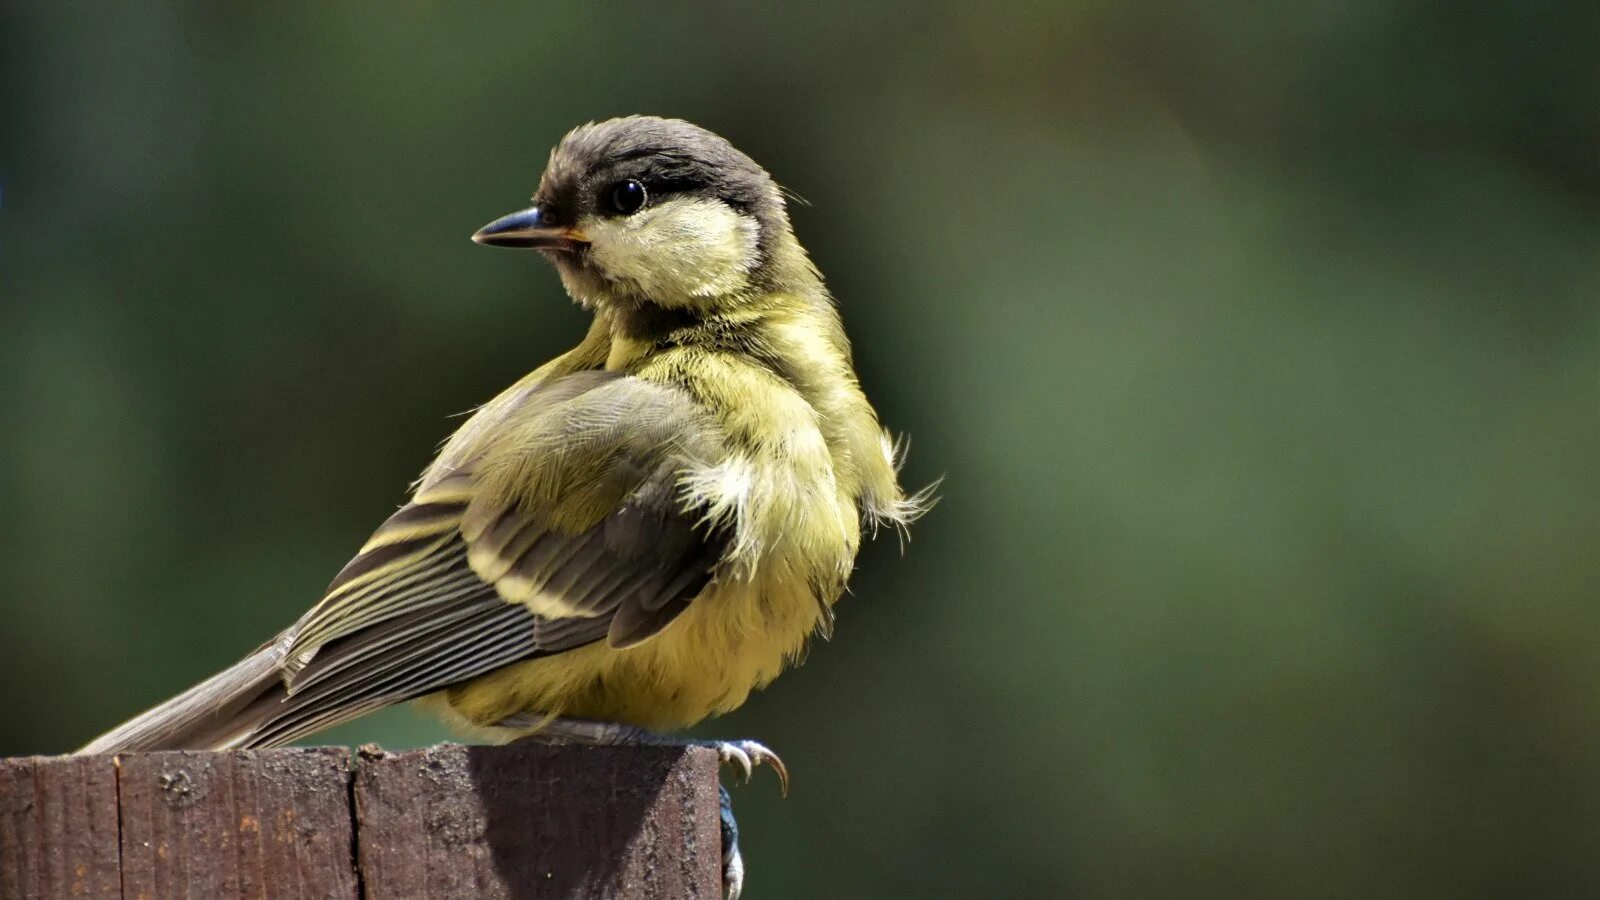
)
(58, 827)
(518, 822)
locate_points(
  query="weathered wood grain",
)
(58, 828)
(529, 821)
(519, 822)
(265, 824)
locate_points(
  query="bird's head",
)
(648, 210)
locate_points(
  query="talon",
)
(732, 859)
(747, 755)
(783, 773)
(736, 754)
(733, 876)
(759, 753)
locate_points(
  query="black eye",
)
(626, 197)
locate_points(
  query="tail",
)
(269, 699)
(400, 622)
(222, 712)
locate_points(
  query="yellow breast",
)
(733, 639)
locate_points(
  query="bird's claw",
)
(749, 754)
(732, 859)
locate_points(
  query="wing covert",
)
(481, 570)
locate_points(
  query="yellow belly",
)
(732, 639)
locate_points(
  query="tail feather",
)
(222, 712)
(401, 658)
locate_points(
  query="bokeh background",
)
(1259, 344)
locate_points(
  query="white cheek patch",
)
(678, 251)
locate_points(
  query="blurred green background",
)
(1259, 343)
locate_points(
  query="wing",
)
(557, 524)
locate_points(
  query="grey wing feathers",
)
(455, 585)
(194, 717)
(468, 629)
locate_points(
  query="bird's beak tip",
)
(529, 229)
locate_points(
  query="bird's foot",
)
(732, 859)
(743, 754)
(747, 755)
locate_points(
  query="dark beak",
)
(531, 229)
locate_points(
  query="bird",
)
(637, 534)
